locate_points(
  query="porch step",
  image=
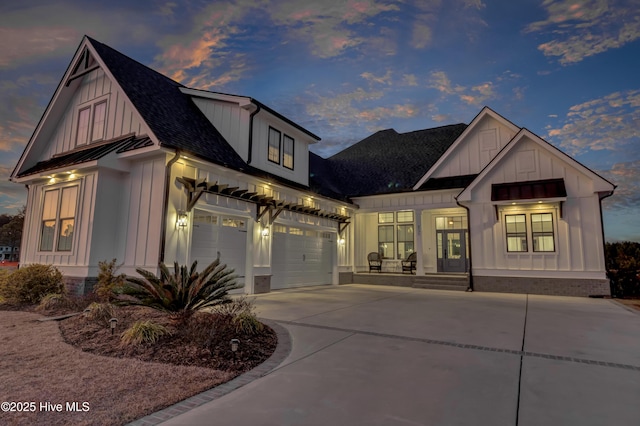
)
(442, 282)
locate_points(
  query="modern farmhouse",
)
(129, 164)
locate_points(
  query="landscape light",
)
(112, 324)
(234, 345)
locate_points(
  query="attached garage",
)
(216, 235)
(301, 257)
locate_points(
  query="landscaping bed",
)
(79, 360)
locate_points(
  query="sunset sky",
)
(567, 70)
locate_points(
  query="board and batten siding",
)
(121, 117)
(144, 197)
(300, 173)
(476, 150)
(230, 119)
(578, 233)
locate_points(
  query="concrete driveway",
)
(373, 355)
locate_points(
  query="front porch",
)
(454, 282)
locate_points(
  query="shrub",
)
(31, 283)
(4, 280)
(100, 312)
(144, 332)
(53, 301)
(235, 307)
(247, 322)
(108, 280)
(623, 268)
(182, 291)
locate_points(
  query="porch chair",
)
(375, 261)
(409, 265)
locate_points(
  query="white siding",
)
(230, 120)
(300, 172)
(578, 233)
(478, 148)
(145, 213)
(121, 119)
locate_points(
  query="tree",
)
(11, 232)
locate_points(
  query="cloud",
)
(20, 45)
(329, 25)
(586, 28)
(476, 95)
(607, 123)
(385, 79)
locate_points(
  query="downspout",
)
(251, 132)
(165, 209)
(470, 288)
(604, 251)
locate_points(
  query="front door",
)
(452, 250)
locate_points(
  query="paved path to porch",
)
(373, 355)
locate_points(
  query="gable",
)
(88, 107)
(482, 140)
(528, 158)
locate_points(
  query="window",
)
(274, 145)
(99, 117)
(58, 212)
(287, 152)
(405, 241)
(83, 125)
(516, 232)
(542, 232)
(395, 237)
(91, 122)
(385, 241)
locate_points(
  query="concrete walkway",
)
(373, 355)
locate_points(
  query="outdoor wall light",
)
(112, 324)
(265, 232)
(181, 220)
(234, 345)
(341, 241)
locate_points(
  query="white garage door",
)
(300, 257)
(223, 236)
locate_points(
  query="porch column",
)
(418, 242)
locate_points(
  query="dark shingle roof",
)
(171, 115)
(386, 161)
(448, 182)
(90, 153)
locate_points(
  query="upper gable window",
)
(91, 122)
(287, 151)
(274, 145)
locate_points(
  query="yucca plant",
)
(184, 290)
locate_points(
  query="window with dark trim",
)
(516, 232)
(542, 232)
(396, 236)
(287, 152)
(91, 123)
(274, 145)
(59, 213)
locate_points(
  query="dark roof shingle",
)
(172, 116)
(386, 161)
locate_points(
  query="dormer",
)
(263, 138)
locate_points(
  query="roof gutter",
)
(253, 114)
(470, 288)
(165, 208)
